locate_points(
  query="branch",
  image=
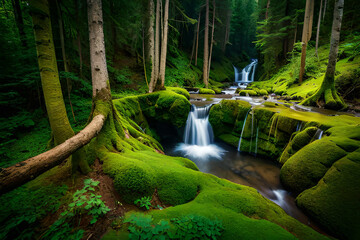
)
(19, 174)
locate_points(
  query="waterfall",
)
(256, 142)
(242, 130)
(245, 73)
(320, 134)
(198, 130)
(199, 136)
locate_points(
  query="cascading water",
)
(198, 136)
(245, 73)
(242, 131)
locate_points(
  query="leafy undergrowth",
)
(286, 81)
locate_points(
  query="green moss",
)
(229, 139)
(248, 92)
(206, 91)
(263, 92)
(306, 167)
(180, 91)
(334, 201)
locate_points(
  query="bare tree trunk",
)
(212, 38)
(144, 58)
(267, 10)
(157, 48)
(15, 176)
(206, 47)
(164, 45)
(150, 43)
(78, 38)
(307, 29)
(197, 38)
(62, 42)
(324, 9)
(99, 73)
(295, 34)
(227, 29)
(193, 46)
(19, 22)
(318, 30)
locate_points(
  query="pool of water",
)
(242, 168)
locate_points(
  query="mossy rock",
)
(216, 90)
(226, 114)
(334, 202)
(248, 92)
(180, 91)
(206, 91)
(263, 92)
(306, 167)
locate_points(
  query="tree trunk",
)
(206, 47)
(157, 49)
(78, 39)
(99, 73)
(307, 29)
(197, 38)
(267, 10)
(325, 5)
(150, 43)
(19, 22)
(164, 45)
(54, 101)
(227, 29)
(212, 38)
(63, 51)
(327, 96)
(193, 45)
(318, 31)
(17, 175)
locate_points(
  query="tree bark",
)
(206, 46)
(318, 30)
(307, 29)
(99, 73)
(227, 29)
(267, 10)
(164, 45)
(19, 22)
(157, 49)
(325, 5)
(63, 52)
(15, 176)
(212, 38)
(150, 43)
(197, 38)
(78, 39)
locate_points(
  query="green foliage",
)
(21, 209)
(84, 201)
(186, 227)
(144, 202)
(141, 227)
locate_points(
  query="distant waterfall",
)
(198, 130)
(199, 136)
(245, 73)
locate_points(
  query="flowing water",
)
(226, 162)
(247, 74)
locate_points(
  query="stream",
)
(226, 162)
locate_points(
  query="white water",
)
(245, 73)
(199, 136)
(242, 130)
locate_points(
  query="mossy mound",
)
(299, 140)
(206, 91)
(180, 91)
(248, 92)
(335, 200)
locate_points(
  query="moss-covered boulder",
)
(206, 91)
(335, 200)
(299, 140)
(248, 92)
(227, 115)
(263, 92)
(180, 91)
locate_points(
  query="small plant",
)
(84, 201)
(144, 202)
(141, 227)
